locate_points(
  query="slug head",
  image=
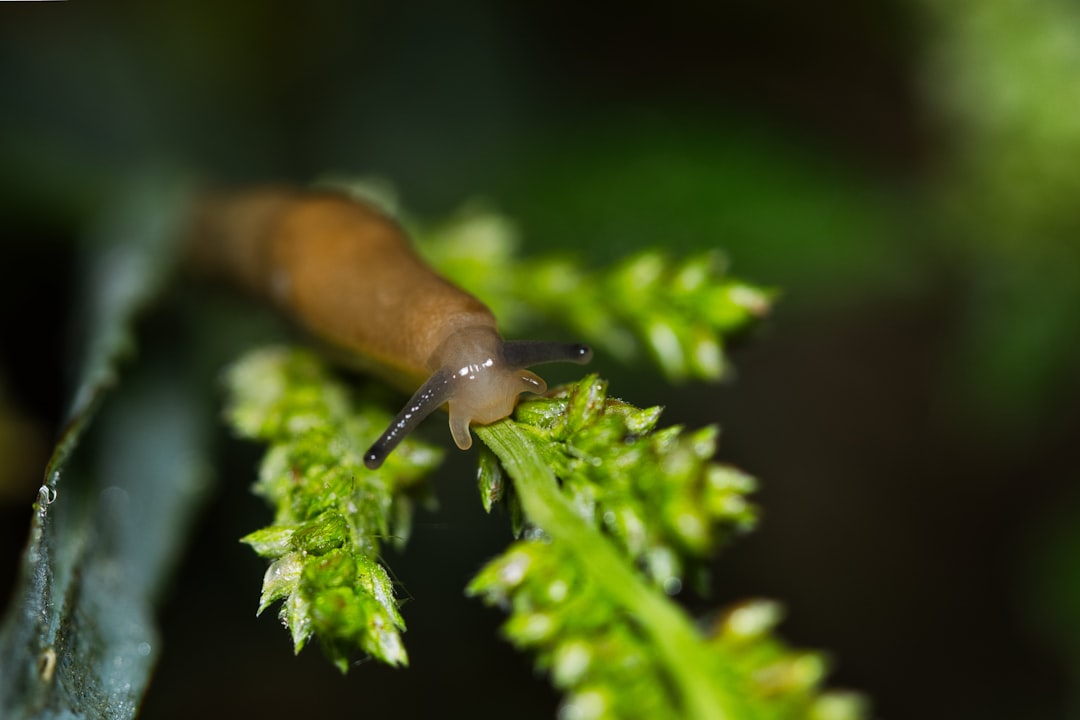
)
(480, 377)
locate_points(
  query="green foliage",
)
(331, 513)
(615, 507)
(1002, 75)
(614, 513)
(677, 312)
(658, 495)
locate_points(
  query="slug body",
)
(346, 272)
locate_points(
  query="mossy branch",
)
(331, 512)
(677, 312)
(616, 513)
(668, 630)
(588, 602)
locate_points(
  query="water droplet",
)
(513, 572)
(558, 590)
(672, 586)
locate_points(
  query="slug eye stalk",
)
(526, 353)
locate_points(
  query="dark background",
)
(902, 174)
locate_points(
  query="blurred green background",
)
(906, 173)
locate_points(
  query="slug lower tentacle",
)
(346, 272)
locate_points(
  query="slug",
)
(346, 272)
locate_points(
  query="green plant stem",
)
(694, 672)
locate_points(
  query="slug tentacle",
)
(424, 401)
(459, 428)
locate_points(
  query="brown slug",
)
(346, 272)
